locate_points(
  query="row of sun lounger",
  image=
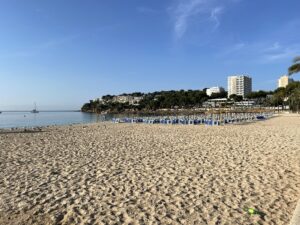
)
(194, 121)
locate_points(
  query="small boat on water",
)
(34, 110)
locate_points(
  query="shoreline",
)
(19, 128)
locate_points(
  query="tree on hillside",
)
(137, 94)
(295, 68)
(258, 94)
(278, 97)
(260, 97)
(291, 87)
(86, 107)
(222, 94)
(107, 97)
(236, 98)
(294, 100)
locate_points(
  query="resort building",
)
(284, 81)
(217, 90)
(122, 98)
(246, 103)
(132, 100)
(239, 85)
(136, 100)
(217, 102)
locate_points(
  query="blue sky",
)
(60, 53)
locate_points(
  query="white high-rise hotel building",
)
(284, 81)
(239, 85)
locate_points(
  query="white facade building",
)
(136, 100)
(239, 85)
(127, 99)
(122, 98)
(284, 81)
(210, 91)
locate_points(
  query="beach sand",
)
(151, 174)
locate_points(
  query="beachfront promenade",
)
(110, 173)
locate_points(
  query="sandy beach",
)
(151, 174)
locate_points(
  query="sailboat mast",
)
(35, 109)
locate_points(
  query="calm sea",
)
(28, 119)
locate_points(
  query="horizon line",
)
(55, 110)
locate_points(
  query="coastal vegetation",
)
(288, 96)
(188, 99)
(150, 102)
(292, 91)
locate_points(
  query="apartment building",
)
(239, 85)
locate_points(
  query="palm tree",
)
(294, 100)
(295, 68)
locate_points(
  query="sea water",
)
(28, 119)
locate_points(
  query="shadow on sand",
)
(22, 131)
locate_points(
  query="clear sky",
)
(61, 53)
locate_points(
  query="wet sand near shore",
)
(151, 174)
